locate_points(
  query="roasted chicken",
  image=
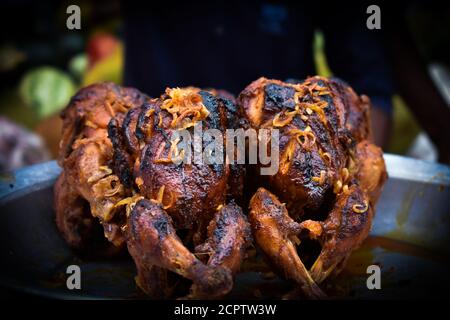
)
(118, 154)
(87, 189)
(181, 221)
(309, 216)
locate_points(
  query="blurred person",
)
(226, 45)
(19, 147)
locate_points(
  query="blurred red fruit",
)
(100, 46)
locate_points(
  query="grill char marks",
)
(335, 128)
(327, 135)
(89, 105)
(87, 158)
(190, 192)
(356, 110)
(119, 158)
(216, 120)
(262, 99)
(234, 120)
(212, 104)
(122, 160)
(278, 97)
(118, 168)
(145, 122)
(329, 177)
(129, 128)
(229, 235)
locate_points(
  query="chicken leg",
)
(346, 227)
(152, 241)
(274, 232)
(229, 235)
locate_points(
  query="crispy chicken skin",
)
(228, 234)
(189, 195)
(329, 179)
(143, 148)
(126, 169)
(87, 190)
(120, 159)
(274, 230)
(153, 243)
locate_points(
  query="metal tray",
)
(409, 240)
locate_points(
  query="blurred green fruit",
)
(78, 65)
(47, 90)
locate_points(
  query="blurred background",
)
(42, 64)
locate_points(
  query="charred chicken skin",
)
(181, 220)
(118, 156)
(87, 189)
(330, 176)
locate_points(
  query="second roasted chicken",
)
(309, 216)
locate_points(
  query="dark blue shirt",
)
(226, 45)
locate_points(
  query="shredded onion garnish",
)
(109, 108)
(318, 109)
(360, 208)
(288, 155)
(321, 179)
(278, 121)
(139, 181)
(337, 186)
(305, 138)
(89, 123)
(102, 172)
(148, 125)
(129, 202)
(174, 154)
(182, 104)
(112, 104)
(83, 141)
(284, 118)
(326, 157)
(108, 186)
(121, 108)
(160, 197)
(315, 86)
(115, 185)
(314, 227)
(150, 112)
(345, 174)
(322, 104)
(345, 189)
